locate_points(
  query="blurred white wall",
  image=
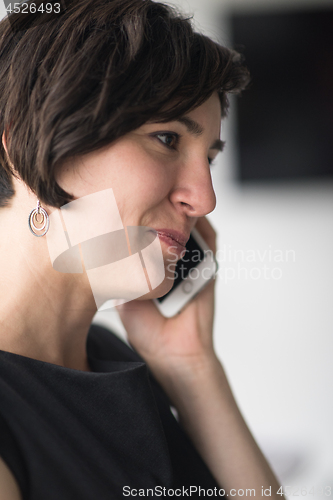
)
(273, 331)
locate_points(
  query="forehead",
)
(209, 112)
(205, 120)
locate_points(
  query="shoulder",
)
(9, 488)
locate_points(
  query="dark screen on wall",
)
(285, 117)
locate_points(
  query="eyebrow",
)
(195, 128)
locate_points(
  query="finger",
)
(139, 314)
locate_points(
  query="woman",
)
(121, 95)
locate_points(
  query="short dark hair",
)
(97, 71)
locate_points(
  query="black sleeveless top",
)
(68, 434)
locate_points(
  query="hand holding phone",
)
(177, 343)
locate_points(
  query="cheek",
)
(138, 180)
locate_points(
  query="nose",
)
(193, 192)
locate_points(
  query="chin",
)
(161, 290)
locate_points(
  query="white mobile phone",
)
(192, 273)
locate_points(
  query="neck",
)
(44, 314)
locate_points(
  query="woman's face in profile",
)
(159, 173)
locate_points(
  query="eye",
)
(169, 139)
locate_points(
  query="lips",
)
(176, 236)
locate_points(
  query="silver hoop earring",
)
(39, 216)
